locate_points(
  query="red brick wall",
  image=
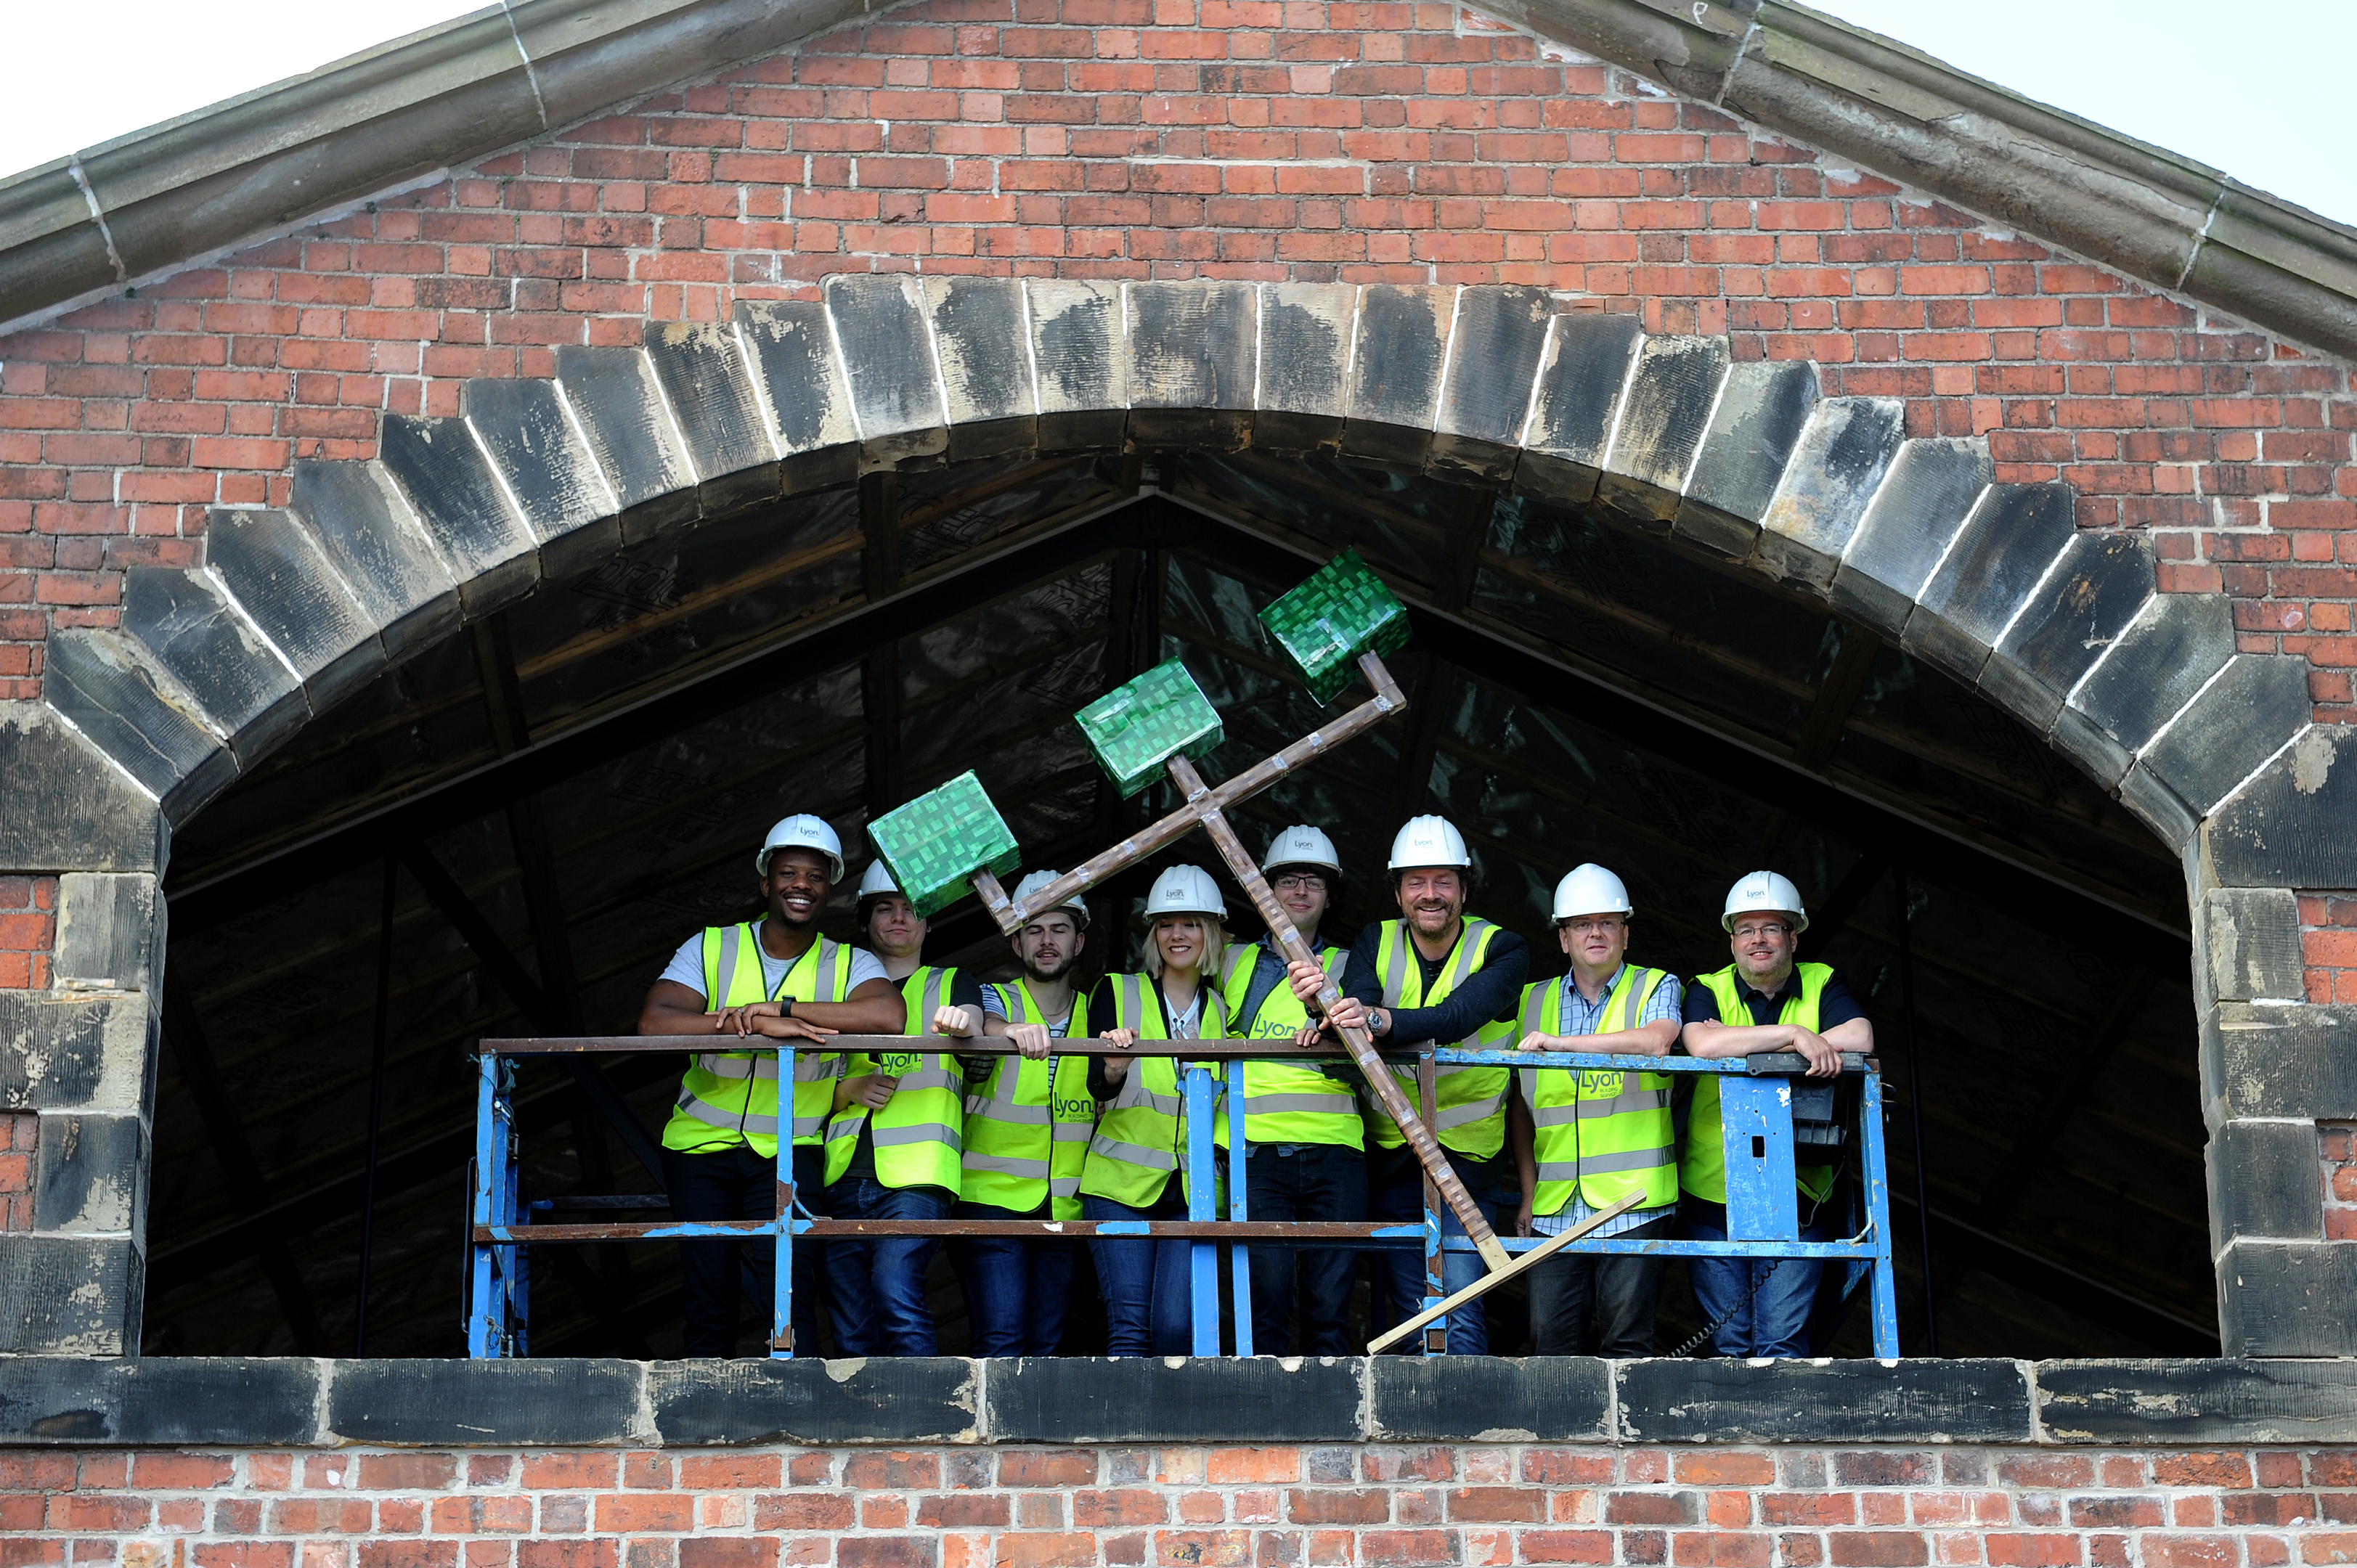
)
(2328, 944)
(1173, 138)
(1182, 1508)
(28, 928)
(2337, 1142)
(17, 1130)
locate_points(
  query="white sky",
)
(2256, 87)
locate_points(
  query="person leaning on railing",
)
(778, 980)
(1583, 1139)
(1764, 1001)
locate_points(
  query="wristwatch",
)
(785, 1006)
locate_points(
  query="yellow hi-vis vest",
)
(920, 1133)
(1141, 1135)
(1703, 1171)
(1287, 1102)
(1470, 1109)
(1027, 1130)
(1601, 1134)
(727, 1098)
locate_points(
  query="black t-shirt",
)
(965, 991)
(1491, 991)
(1836, 1006)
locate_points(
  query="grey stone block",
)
(2249, 936)
(2157, 806)
(710, 394)
(1192, 363)
(91, 1174)
(109, 932)
(1662, 423)
(195, 631)
(799, 377)
(1762, 409)
(283, 580)
(64, 1050)
(548, 471)
(2287, 1298)
(888, 356)
(1583, 375)
(454, 493)
(1306, 330)
(1914, 517)
(1493, 362)
(2288, 827)
(2266, 1179)
(982, 338)
(479, 1404)
(2004, 548)
(1848, 446)
(612, 392)
(2256, 704)
(1823, 1401)
(2178, 1403)
(1477, 1399)
(1141, 1399)
(2088, 598)
(2282, 1059)
(2166, 655)
(877, 1399)
(168, 1401)
(364, 524)
(1079, 345)
(69, 1295)
(1395, 370)
(65, 804)
(114, 692)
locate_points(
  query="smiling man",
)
(777, 981)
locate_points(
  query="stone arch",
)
(211, 668)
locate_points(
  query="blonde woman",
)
(1141, 1136)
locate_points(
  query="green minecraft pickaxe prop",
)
(1341, 622)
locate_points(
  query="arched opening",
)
(1596, 676)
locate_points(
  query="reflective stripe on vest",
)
(1287, 1102)
(1028, 1127)
(920, 1133)
(728, 1097)
(1703, 1170)
(1600, 1133)
(1141, 1133)
(1470, 1102)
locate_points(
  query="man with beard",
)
(1435, 973)
(1306, 1159)
(1028, 1121)
(778, 981)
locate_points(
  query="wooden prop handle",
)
(1361, 1045)
(1554, 1244)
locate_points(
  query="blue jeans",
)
(737, 1184)
(1017, 1293)
(1396, 1195)
(1315, 1181)
(1776, 1321)
(876, 1290)
(1146, 1283)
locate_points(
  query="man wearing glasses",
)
(1764, 1001)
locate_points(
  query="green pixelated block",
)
(936, 842)
(1342, 611)
(1134, 729)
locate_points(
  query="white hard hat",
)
(876, 880)
(1764, 893)
(1429, 841)
(1590, 890)
(1185, 890)
(803, 832)
(1302, 844)
(1038, 879)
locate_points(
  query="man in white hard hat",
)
(1435, 973)
(893, 1144)
(1764, 1001)
(1028, 1118)
(1585, 1139)
(1306, 1157)
(777, 981)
